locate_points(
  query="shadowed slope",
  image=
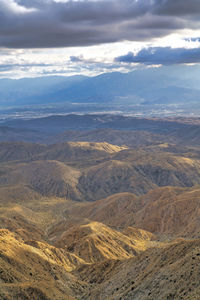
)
(168, 272)
(171, 211)
(112, 177)
(116, 211)
(12, 151)
(45, 177)
(98, 170)
(167, 211)
(17, 194)
(138, 172)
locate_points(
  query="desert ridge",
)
(93, 220)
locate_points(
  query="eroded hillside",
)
(89, 220)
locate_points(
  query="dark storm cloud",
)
(178, 7)
(162, 56)
(46, 23)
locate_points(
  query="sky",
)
(90, 37)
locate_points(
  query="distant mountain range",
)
(119, 130)
(165, 85)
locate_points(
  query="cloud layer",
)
(162, 56)
(47, 23)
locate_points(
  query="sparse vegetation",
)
(89, 220)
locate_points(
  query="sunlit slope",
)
(80, 151)
(38, 270)
(34, 270)
(95, 242)
(132, 138)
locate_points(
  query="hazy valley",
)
(161, 92)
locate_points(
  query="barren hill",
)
(88, 220)
(166, 211)
(79, 151)
(116, 210)
(138, 172)
(45, 177)
(36, 271)
(168, 272)
(172, 211)
(11, 151)
(132, 138)
(95, 242)
(92, 171)
(187, 136)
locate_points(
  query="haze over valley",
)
(160, 92)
